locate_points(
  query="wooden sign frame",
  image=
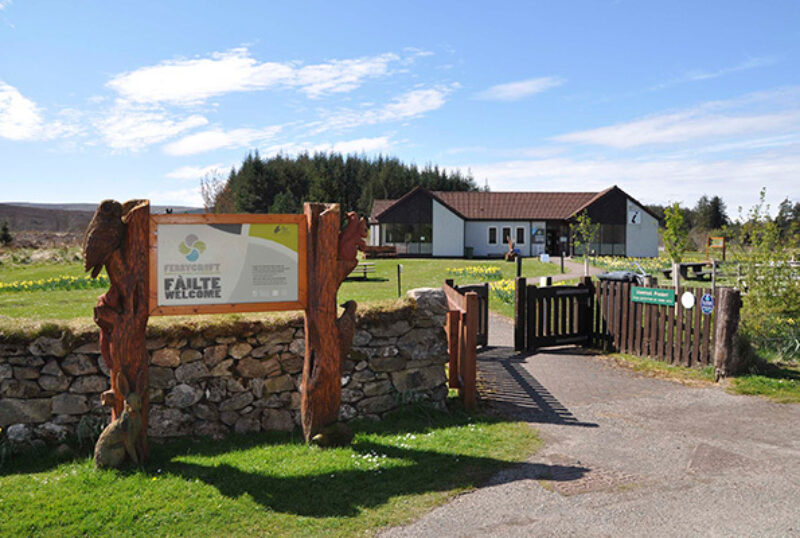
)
(227, 308)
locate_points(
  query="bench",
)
(382, 251)
(363, 268)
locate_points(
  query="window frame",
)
(489, 231)
(503, 234)
(524, 230)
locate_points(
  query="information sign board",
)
(206, 263)
(653, 296)
(707, 303)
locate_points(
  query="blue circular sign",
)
(707, 303)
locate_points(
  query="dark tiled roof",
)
(515, 205)
(378, 207)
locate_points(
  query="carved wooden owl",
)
(103, 236)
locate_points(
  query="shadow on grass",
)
(346, 493)
(322, 484)
(779, 370)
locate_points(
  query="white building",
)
(480, 224)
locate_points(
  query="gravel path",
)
(626, 455)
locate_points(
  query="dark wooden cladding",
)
(415, 208)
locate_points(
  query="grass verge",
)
(780, 382)
(662, 370)
(270, 483)
(777, 381)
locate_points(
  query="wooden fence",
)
(601, 314)
(671, 334)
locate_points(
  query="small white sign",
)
(634, 216)
(687, 300)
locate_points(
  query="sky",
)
(668, 100)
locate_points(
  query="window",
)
(506, 235)
(492, 235)
(520, 236)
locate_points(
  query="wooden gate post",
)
(520, 304)
(331, 257)
(118, 238)
(469, 359)
(727, 359)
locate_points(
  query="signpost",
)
(210, 264)
(657, 296)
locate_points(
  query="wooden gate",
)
(483, 307)
(552, 316)
(462, 333)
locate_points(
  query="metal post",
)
(519, 266)
(713, 276)
(562, 262)
(399, 272)
(586, 266)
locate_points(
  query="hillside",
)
(61, 218)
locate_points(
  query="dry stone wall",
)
(215, 382)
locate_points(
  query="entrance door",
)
(553, 244)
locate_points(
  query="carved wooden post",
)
(122, 312)
(331, 257)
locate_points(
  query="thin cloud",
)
(20, 118)
(514, 91)
(409, 105)
(214, 139)
(180, 197)
(778, 113)
(359, 145)
(698, 74)
(131, 127)
(193, 172)
(188, 82)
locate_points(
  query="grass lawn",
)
(380, 285)
(267, 484)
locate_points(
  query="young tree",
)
(5, 234)
(675, 233)
(584, 233)
(216, 194)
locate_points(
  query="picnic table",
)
(363, 268)
(696, 268)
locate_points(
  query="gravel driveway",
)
(626, 455)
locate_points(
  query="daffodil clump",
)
(480, 272)
(55, 283)
(503, 290)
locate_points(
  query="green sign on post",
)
(653, 296)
